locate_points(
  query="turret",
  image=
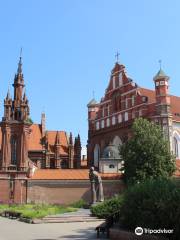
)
(7, 106)
(57, 150)
(71, 151)
(161, 90)
(43, 124)
(92, 110)
(77, 152)
(163, 107)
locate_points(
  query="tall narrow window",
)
(126, 102)
(13, 150)
(120, 79)
(113, 120)
(108, 110)
(103, 112)
(114, 82)
(133, 100)
(126, 116)
(120, 118)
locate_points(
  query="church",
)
(110, 120)
(25, 145)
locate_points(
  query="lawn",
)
(37, 210)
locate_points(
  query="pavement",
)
(15, 230)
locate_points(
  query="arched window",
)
(97, 125)
(114, 82)
(120, 118)
(175, 147)
(13, 150)
(120, 79)
(133, 100)
(113, 120)
(126, 116)
(107, 122)
(102, 124)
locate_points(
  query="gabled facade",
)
(111, 119)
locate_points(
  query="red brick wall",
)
(19, 191)
(4, 190)
(65, 192)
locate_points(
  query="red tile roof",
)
(69, 174)
(51, 137)
(35, 137)
(149, 93)
(175, 102)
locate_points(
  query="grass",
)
(38, 210)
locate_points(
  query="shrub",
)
(80, 204)
(154, 204)
(108, 207)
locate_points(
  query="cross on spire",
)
(117, 56)
(93, 94)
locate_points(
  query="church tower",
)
(163, 103)
(15, 127)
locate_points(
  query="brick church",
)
(110, 120)
(25, 146)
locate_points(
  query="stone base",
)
(119, 234)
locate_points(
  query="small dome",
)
(92, 102)
(111, 152)
(160, 74)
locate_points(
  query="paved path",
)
(15, 230)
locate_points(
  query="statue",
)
(96, 186)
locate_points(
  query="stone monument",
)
(96, 186)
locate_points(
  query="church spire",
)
(18, 82)
(8, 96)
(19, 70)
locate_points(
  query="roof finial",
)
(117, 57)
(160, 63)
(93, 94)
(21, 52)
(20, 63)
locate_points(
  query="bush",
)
(108, 207)
(80, 204)
(154, 204)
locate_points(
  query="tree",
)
(146, 155)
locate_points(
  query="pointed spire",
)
(117, 57)
(70, 139)
(19, 71)
(8, 94)
(57, 138)
(160, 73)
(24, 96)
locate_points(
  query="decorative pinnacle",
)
(19, 71)
(8, 94)
(117, 56)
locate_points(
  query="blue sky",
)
(69, 48)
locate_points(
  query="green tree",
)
(146, 155)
